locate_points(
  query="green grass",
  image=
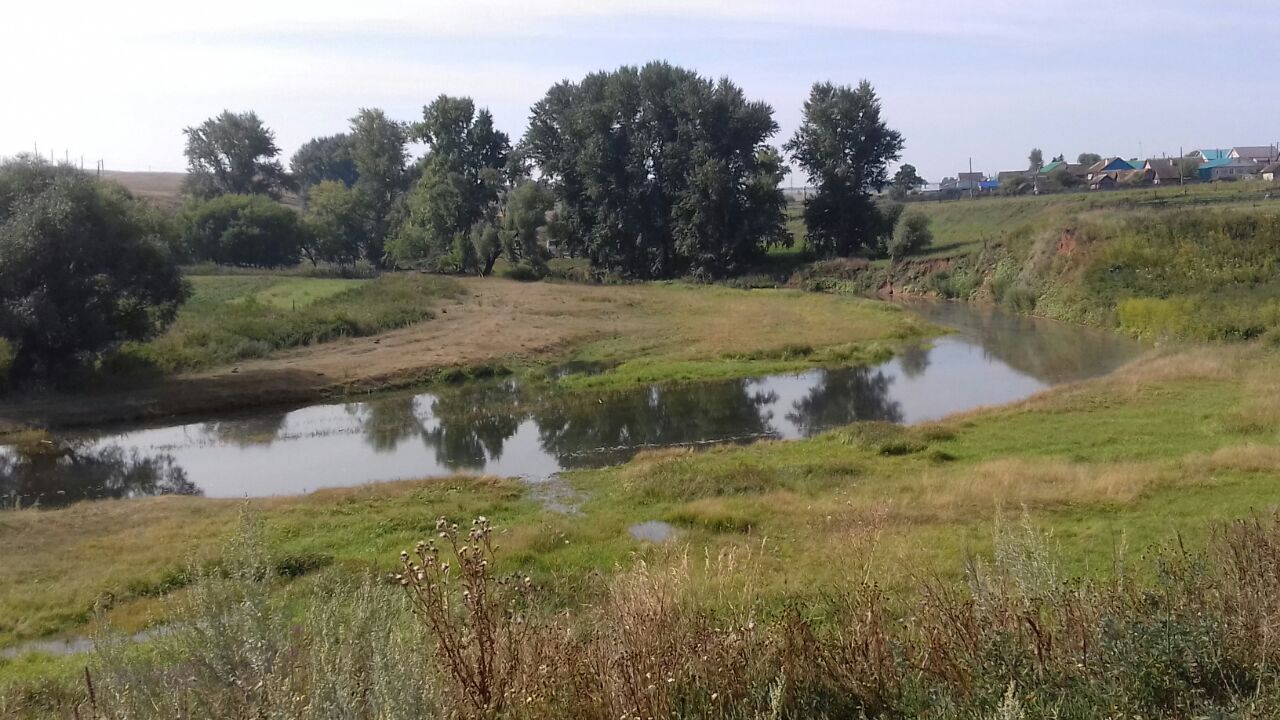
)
(699, 332)
(235, 317)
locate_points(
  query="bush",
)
(245, 231)
(82, 268)
(910, 236)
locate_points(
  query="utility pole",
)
(1182, 170)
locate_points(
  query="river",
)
(537, 429)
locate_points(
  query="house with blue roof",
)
(1227, 168)
(1110, 165)
(1210, 155)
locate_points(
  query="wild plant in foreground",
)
(474, 619)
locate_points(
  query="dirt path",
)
(496, 321)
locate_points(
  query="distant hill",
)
(162, 187)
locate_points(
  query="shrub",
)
(910, 235)
(245, 231)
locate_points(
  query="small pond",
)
(535, 430)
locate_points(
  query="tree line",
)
(647, 172)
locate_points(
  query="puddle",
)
(654, 531)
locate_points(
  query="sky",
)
(984, 79)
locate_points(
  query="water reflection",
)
(506, 428)
(50, 474)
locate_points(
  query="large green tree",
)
(660, 171)
(323, 159)
(82, 268)
(463, 174)
(845, 148)
(378, 149)
(233, 153)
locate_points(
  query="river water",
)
(534, 430)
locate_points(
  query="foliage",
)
(1088, 158)
(233, 153)
(324, 159)
(1036, 159)
(660, 172)
(244, 231)
(910, 236)
(82, 268)
(378, 151)
(906, 180)
(462, 177)
(845, 148)
(337, 220)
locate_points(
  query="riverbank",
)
(640, 333)
(1164, 445)
(1152, 264)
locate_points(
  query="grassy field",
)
(1107, 467)
(236, 317)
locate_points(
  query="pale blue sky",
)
(987, 79)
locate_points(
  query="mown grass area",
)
(236, 317)
(1165, 445)
(679, 332)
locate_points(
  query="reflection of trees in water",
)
(914, 360)
(628, 419)
(472, 424)
(1049, 351)
(843, 396)
(55, 474)
(390, 421)
(243, 432)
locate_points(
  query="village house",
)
(1228, 168)
(1261, 155)
(1271, 172)
(1209, 155)
(1168, 171)
(1109, 165)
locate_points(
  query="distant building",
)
(1209, 155)
(1010, 175)
(1260, 154)
(1168, 171)
(1227, 168)
(1109, 165)
(1271, 173)
(1102, 181)
(969, 180)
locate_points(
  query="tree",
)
(323, 159)
(845, 148)
(911, 235)
(337, 220)
(1060, 179)
(233, 153)
(659, 171)
(906, 180)
(1059, 158)
(244, 231)
(463, 174)
(1088, 158)
(1036, 158)
(519, 228)
(82, 268)
(377, 146)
